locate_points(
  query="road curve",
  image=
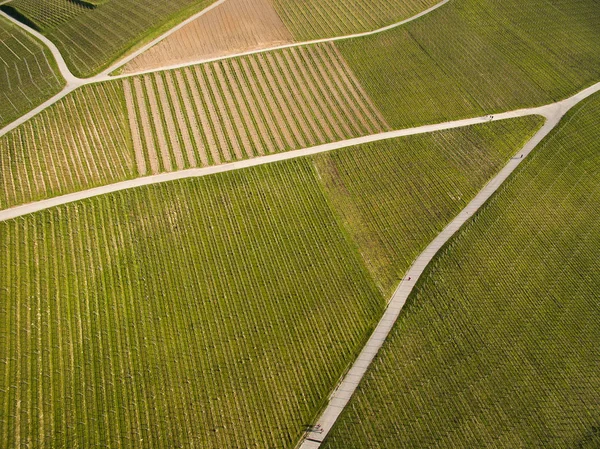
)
(344, 391)
(60, 61)
(74, 82)
(29, 208)
(552, 112)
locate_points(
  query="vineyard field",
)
(232, 27)
(80, 142)
(194, 312)
(179, 315)
(315, 19)
(90, 37)
(497, 346)
(395, 196)
(28, 73)
(456, 60)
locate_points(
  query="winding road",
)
(553, 113)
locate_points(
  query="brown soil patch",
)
(233, 27)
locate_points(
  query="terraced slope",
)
(80, 142)
(314, 19)
(471, 57)
(498, 345)
(28, 73)
(192, 313)
(90, 36)
(232, 27)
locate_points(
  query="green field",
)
(91, 35)
(28, 73)
(395, 196)
(498, 344)
(475, 57)
(80, 142)
(314, 19)
(213, 312)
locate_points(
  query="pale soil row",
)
(291, 101)
(234, 72)
(233, 27)
(349, 91)
(191, 115)
(146, 126)
(368, 104)
(301, 93)
(214, 117)
(171, 128)
(63, 129)
(244, 72)
(155, 112)
(54, 177)
(330, 125)
(279, 102)
(245, 113)
(332, 83)
(317, 77)
(181, 121)
(227, 89)
(210, 138)
(224, 118)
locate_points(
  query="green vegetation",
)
(395, 196)
(476, 57)
(91, 35)
(80, 142)
(28, 73)
(216, 312)
(213, 312)
(498, 344)
(314, 19)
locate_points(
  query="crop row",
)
(91, 37)
(78, 143)
(216, 312)
(27, 73)
(207, 313)
(395, 196)
(313, 19)
(237, 109)
(498, 345)
(231, 27)
(474, 57)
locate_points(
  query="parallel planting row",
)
(28, 75)
(80, 142)
(192, 117)
(472, 57)
(314, 19)
(91, 37)
(215, 312)
(238, 109)
(498, 345)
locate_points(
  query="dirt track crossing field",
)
(243, 108)
(233, 27)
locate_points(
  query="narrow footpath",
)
(341, 396)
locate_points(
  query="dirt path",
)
(553, 113)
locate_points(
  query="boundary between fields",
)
(552, 112)
(129, 58)
(73, 82)
(340, 397)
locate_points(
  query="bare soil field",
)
(233, 27)
(298, 98)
